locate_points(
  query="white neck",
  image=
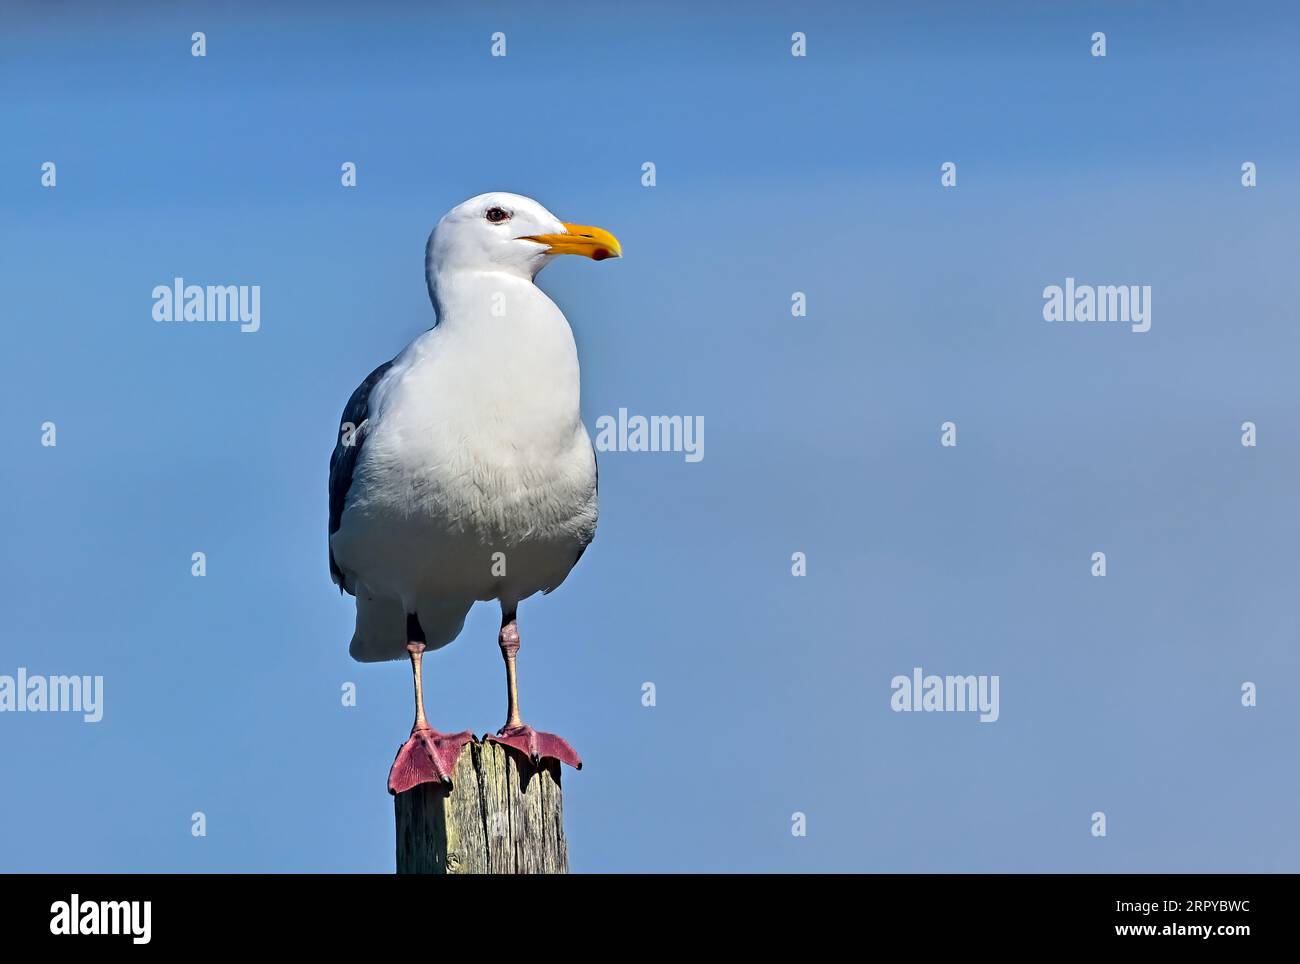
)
(464, 295)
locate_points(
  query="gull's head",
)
(510, 233)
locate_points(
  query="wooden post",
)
(502, 816)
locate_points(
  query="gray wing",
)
(347, 447)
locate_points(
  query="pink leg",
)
(516, 733)
(428, 756)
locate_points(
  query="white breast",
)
(476, 479)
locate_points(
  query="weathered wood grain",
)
(502, 815)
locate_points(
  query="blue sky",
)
(775, 174)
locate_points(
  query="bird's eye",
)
(497, 215)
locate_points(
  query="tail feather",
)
(380, 632)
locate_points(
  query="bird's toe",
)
(537, 745)
(427, 757)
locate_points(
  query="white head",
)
(509, 233)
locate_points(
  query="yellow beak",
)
(596, 243)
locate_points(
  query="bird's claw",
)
(427, 757)
(537, 745)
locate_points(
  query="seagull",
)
(462, 470)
